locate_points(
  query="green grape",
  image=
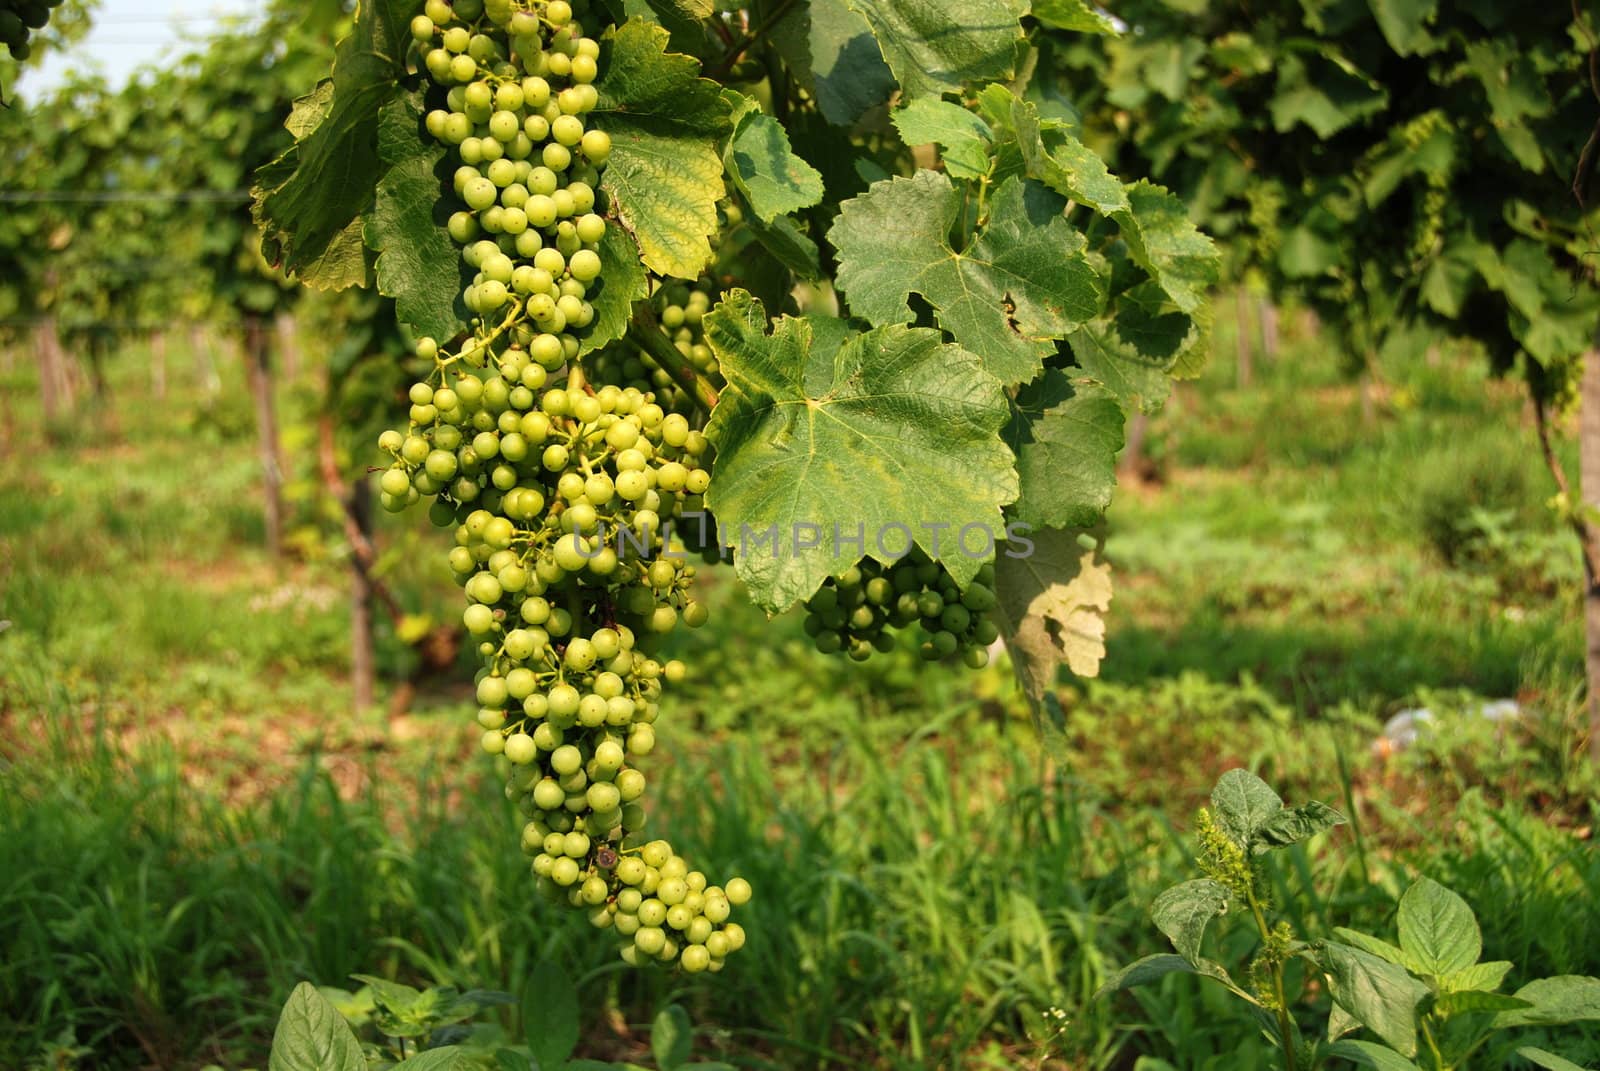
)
(555, 453)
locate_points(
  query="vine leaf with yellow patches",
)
(664, 176)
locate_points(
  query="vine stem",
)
(1574, 508)
(751, 39)
(646, 333)
(1291, 1059)
(576, 380)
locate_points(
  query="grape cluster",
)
(562, 486)
(858, 613)
(680, 309)
(1433, 199)
(18, 20)
(528, 168)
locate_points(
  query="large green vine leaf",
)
(1066, 438)
(336, 166)
(790, 245)
(622, 281)
(664, 177)
(1024, 281)
(404, 227)
(1165, 242)
(766, 170)
(832, 53)
(1066, 164)
(960, 132)
(1075, 15)
(1404, 23)
(935, 46)
(1141, 346)
(894, 436)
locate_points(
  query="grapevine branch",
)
(362, 555)
(1574, 514)
(1586, 159)
(751, 39)
(645, 332)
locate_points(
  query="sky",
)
(128, 34)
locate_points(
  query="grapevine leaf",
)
(622, 281)
(1164, 242)
(1074, 15)
(1066, 164)
(1052, 601)
(550, 1015)
(765, 169)
(1184, 911)
(1404, 23)
(831, 50)
(1380, 994)
(1437, 929)
(1547, 1060)
(1370, 1054)
(961, 133)
(1244, 805)
(1024, 281)
(1566, 998)
(793, 248)
(336, 164)
(313, 1036)
(893, 437)
(1143, 344)
(344, 262)
(664, 176)
(1327, 99)
(1066, 441)
(694, 9)
(407, 228)
(935, 46)
(310, 110)
(1512, 85)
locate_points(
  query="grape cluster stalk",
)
(18, 20)
(561, 485)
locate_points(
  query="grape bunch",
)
(859, 612)
(680, 309)
(18, 20)
(517, 91)
(562, 486)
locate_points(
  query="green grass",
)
(191, 820)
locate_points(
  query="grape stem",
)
(483, 344)
(646, 333)
(734, 55)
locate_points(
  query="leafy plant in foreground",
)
(1428, 999)
(428, 1030)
